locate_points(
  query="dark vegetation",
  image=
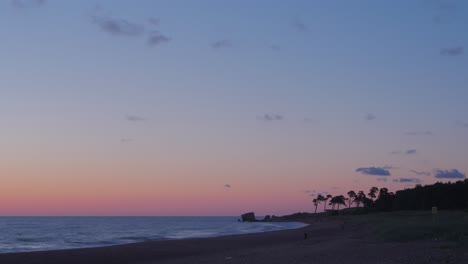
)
(406, 214)
(444, 196)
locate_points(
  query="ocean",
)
(21, 234)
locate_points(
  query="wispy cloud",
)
(118, 26)
(406, 152)
(275, 47)
(461, 124)
(445, 10)
(27, 3)
(227, 186)
(410, 152)
(424, 173)
(455, 51)
(370, 117)
(299, 25)
(419, 133)
(271, 117)
(135, 118)
(376, 171)
(407, 180)
(153, 21)
(448, 174)
(156, 38)
(126, 140)
(221, 44)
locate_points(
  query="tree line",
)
(446, 196)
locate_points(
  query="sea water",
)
(20, 234)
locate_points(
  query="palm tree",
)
(316, 202)
(340, 199)
(320, 198)
(325, 199)
(332, 202)
(352, 197)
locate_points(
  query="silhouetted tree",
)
(352, 196)
(316, 202)
(329, 196)
(320, 198)
(340, 199)
(360, 198)
(372, 193)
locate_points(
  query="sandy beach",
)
(327, 242)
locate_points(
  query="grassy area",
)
(415, 225)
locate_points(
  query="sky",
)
(120, 107)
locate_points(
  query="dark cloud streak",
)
(220, 44)
(118, 27)
(299, 25)
(271, 117)
(134, 118)
(156, 38)
(448, 174)
(455, 51)
(407, 180)
(376, 171)
(410, 152)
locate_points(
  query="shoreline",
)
(116, 241)
(156, 250)
(328, 241)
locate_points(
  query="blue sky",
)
(271, 91)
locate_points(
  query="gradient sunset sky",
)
(223, 107)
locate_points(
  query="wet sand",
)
(326, 242)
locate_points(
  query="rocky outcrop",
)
(248, 217)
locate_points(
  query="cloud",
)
(410, 152)
(461, 124)
(227, 186)
(311, 193)
(407, 180)
(445, 10)
(153, 21)
(419, 133)
(383, 179)
(448, 174)
(271, 117)
(156, 38)
(220, 44)
(118, 27)
(135, 118)
(377, 171)
(126, 140)
(27, 3)
(455, 51)
(370, 117)
(406, 152)
(275, 47)
(425, 173)
(299, 25)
